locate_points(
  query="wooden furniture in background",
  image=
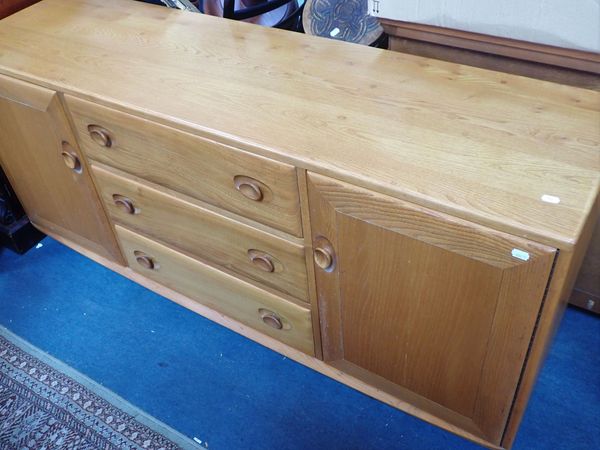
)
(379, 217)
(8, 7)
(586, 293)
(511, 48)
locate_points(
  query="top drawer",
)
(247, 184)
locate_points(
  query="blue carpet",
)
(207, 382)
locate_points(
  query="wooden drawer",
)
(263, 257)
(283, 320)
(246, 184)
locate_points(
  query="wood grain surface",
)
(36, 143)
(417, 301)
(197, 167)
(478, 144)
(219, 291)
(204, 233)
(513, 48)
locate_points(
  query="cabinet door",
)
(40, 157)
(436, 311)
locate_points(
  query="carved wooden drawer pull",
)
(100, 135)
(144, 260)
(249, 187)
(72, 161)
(261, 260)
(324, 254)
(70, 158)
(271, 319)
(124, 203)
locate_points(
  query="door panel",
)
(425, 306)
(427, 285)
(34, 138)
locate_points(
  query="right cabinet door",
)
(434, 310)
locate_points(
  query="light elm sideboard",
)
(409, 227)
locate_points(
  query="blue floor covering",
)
(210, 383)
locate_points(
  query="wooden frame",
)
(512, 48)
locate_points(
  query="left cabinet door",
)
(44, 165)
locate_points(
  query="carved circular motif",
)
(344, 20)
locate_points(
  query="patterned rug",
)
(45, 404)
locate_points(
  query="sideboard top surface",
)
(482, 145)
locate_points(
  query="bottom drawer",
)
(281, 319)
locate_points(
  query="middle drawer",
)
(258, 255)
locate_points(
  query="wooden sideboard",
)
(409, 227)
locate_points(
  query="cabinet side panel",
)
(563, 277)
(519, 301)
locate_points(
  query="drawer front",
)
(267, 259)
(283, 320)
(250, 185)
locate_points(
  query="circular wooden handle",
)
(71, 161)
(271, 319)
(249, 187)
(124, 203)
(262, 260)
(324, 254)
(144, 260)
(323, 258)
(100, 135)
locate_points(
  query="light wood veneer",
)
(481, 145)
(407, 226)
(44, 156)
(406, 282)
(265, 258)
(286, 321)
(257, 187)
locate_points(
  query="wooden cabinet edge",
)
(310, 269)
(262, 339)
(561, 283)
(585, 300)
(120, 259)
(41, 101)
